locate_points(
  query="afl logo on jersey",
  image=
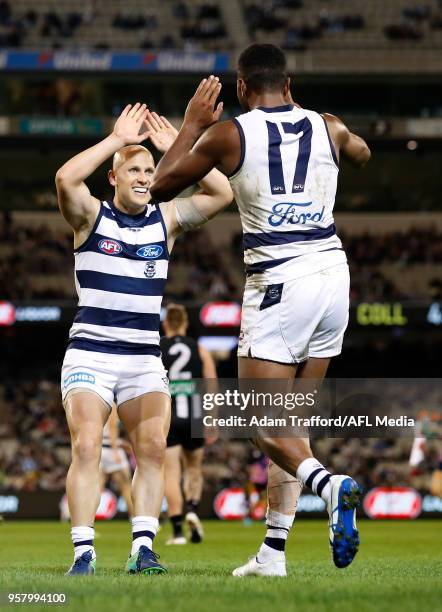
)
(152, 251)
(110, 247)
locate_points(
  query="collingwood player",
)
(186, 362)
(122, 251)
(282, 161)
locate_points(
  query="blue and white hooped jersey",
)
(285, 188)
(120, 275)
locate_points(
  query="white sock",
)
(278, 528)
(314, 475)
(144, 529)
(83, 540)
(276, 519)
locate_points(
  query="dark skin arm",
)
(349, 146)
(197, 148)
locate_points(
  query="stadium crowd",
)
(56, 27)
(199, 25)
(35, 452)
(37, 263)
(272, 15)
(367, 254)
(35, 443)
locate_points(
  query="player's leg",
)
(193, 487)
(172, 491)
(288, 453)
(271, 327)
(146, 419)
(103, 480)
(283, 491)
(283, 488)
(122, 479)
(340, 492)
(86, 415)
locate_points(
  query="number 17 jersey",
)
(285, 188)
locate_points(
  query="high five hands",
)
(136, 123)
(162, 134)
(131, 127)
(201, 112)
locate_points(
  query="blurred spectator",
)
(65, 26)
(127, 20)
(269, 17)
(5, 12)
(411, 247)
(180, 10)
(418, 13)
(37, 263)
(35, 260)
(35, 446)
(33, 430)
(403, 31)
(208, 11)
(167, 42)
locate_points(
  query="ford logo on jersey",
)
(285, 212)
(110, 247)
(152, 251)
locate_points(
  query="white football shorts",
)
(109, 463)
(115, 378)
(300, 318)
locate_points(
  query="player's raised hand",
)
(201, 111)
(161, 133)
(131, 126)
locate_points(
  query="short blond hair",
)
(125, 153)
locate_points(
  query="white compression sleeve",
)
(188, 215)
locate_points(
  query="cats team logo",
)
(150, 269)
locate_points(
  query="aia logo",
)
(110, 247)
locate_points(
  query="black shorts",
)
(181, 434)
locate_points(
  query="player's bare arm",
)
(209, 368)
(351, 147)
(214, 194)
(77, 205)
(201, 145)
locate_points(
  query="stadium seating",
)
(35, 454)
(119, 24)
(339, 24)
(206, 24)
(208, 264)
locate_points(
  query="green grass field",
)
(399, 567)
